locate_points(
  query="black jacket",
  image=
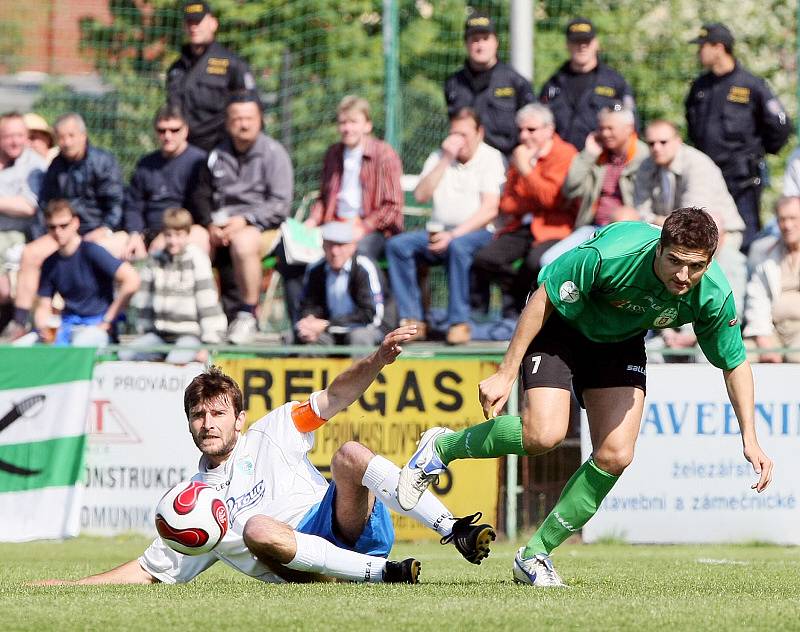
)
(735, 119)
(93, 185)
(202, 86)
(496, 101)
(368, 290)
(574, 121)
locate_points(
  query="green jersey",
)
(608, 290)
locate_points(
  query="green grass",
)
(613, 587)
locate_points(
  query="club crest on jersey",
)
(666, 317)
(568, 292)
(245, 465)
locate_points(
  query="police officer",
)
(583, 86)
(491, 88)
(204, 77)
(734, 117)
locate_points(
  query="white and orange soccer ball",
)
(191, 518)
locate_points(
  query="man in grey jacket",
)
(243, 194)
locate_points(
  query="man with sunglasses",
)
(162, 180)
(677, 175)
(534, 213)
(84, 274)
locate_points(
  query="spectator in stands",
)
(345, 294)
(162, 179)
(464, 178)
(493, 89)
(177, 302)
(602, 176)
(360, 183)
(791, 177)
(41, 137)
(21, 173)
(734, 118)
(676, 176)
(84, 274)
(91, 180)
(243, 193)
(205, 76)
(534, 212)
(583, 86)
(772, 306)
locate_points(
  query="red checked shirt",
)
(382, 194)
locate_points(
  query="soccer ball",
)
(191, 518)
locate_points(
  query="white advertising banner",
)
(689, 481)
(139, 444)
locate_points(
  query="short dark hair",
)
(210, 385)
(690, 227)
(57, 206)
(465, 113)
(168, 111)
(245, 96)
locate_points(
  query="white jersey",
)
(267, 474)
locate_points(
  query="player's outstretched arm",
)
(350, 385)
(127, 573)
(495, 389)
(739, 382)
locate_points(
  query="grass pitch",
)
(613, 587)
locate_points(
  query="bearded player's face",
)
(215, 427)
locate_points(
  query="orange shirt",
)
(539, 193)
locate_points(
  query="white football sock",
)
(381, 479)
(317, 555)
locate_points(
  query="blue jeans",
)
(403, 251)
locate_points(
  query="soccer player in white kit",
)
(286, 522)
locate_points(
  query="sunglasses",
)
(652, 143)
(55, 227)
(531, 129)
(172, 130)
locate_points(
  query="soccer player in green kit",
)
(583, 329)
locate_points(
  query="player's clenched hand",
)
(493, 393)
(390, 347)
(762, 465)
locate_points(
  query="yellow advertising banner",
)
(407, 398)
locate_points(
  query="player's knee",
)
(537, 439)
(259, 532)
(350, 460)
(613, 460)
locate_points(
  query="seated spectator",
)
(360, 182)
(162, 180)
(84, 274)
(40, 136)
(90, 180)
(177, 301)
(676, 175)
(535, 214)
(21, 172)
(243, 194)
(772, 304)
(464, 179)
(345, 294)
(602, 176)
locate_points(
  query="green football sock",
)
(578, 502)
(496, 437)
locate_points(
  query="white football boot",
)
(422, 469)
(536, 571)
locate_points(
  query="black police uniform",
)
(735, 119)
(576, 114)
(202, 86)
(496, 95)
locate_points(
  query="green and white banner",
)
(44, 396)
